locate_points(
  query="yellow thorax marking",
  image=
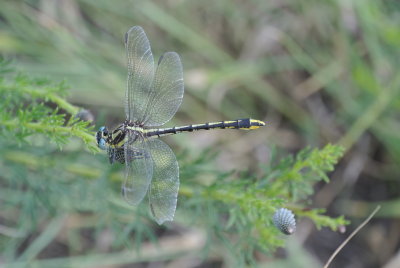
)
(135, 128)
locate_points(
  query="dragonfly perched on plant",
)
(153, 95)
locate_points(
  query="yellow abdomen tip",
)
(256, 123)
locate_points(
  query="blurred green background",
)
(316, 71)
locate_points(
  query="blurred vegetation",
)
(318, 72)
(235, 210)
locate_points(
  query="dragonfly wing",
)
(167, 91)
(140, 73)
(164, 187)
(138, 168)
(116, 154)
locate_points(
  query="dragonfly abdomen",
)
(246, 124)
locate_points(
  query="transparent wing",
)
(165, 184)
(138, 168)
(140, 73)
(116, 154)
(167, 91)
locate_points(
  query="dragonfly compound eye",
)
(284, 220)
(104, 130)
(102, 144)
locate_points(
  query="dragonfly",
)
(153, 96)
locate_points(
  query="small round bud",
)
(284, 220)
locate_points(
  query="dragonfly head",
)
(101, 137)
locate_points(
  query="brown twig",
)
(351, 236)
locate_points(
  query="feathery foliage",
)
(240, 208)
(32, 106)
(235, 208)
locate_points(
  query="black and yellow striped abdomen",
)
(246, 124)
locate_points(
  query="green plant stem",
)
(61, 103)
(71, 109)
(39, 127)
(34, 92)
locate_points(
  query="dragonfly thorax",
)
(116, 138)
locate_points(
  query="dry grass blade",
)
(351, 236)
